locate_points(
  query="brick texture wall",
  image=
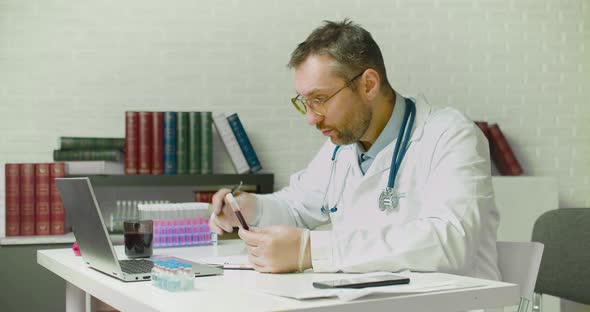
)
(73, 68)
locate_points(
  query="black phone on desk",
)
(365, 281)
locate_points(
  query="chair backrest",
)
(519, 264)
(565, 268)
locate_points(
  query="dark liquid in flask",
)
(138, 244)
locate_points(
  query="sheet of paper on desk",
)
(237, 262)
(300, 286)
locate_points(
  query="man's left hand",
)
(275, 249)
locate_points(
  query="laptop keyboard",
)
(136, 266)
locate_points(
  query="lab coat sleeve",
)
(444, 237)
(299, 203)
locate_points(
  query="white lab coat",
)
(447, 221)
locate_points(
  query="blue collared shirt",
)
(389, 133)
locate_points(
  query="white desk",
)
(236, 289)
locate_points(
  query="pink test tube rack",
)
(183, 232)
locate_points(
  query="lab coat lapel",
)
(383, 160)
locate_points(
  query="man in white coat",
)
(443, 217)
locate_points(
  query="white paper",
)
(300, 287)
(230, 262)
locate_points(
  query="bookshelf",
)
(174, 188)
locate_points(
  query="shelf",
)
(37, 240)
(264, 181)
(116, 239)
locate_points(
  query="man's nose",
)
(313, 118)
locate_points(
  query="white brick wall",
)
(73, 68)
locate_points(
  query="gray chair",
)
(565, 267)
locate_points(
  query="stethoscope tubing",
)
(402, 142)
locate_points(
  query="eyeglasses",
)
(316, 105)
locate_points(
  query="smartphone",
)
(365, 281)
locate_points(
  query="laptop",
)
(94, 241)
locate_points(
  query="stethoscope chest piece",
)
(388, 200)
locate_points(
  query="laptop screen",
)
(89, 229)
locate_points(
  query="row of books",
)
(32, 204)
(83, 149)
(500, 151)
(168, 143)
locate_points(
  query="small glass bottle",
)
(176, 278)
(188, 269)
(163, 276)
(155, 273)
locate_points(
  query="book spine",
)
(502, 153)
(244, 142)
(94, 167)
(231, 143)
(144, 155)
(204, 197)
(112, 155)
(170, 142)
(12, 199)
(131, 142)
(206, 143)
(75, 143)
(483, 126)
(56, 209)
(157, 143)
(27, 199)
(42, 200)
(182, 143)
(194, 143)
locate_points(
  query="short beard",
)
(359, 123)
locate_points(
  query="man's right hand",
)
(223, 218)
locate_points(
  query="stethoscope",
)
(388, 200)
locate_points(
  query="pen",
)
(236, 189)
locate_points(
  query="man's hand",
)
(223, 218)
(275, 249)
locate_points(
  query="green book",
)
(111, 155)
(182, 138)
(194, 143)
(79, 143)
(206, 143)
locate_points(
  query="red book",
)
(204, 197)
(145, 143)
(42, 202)
(502, 153)
(158, 143)
(483, 126)
(56, 210)
(131, 142)
(27, 199)
(12, 199)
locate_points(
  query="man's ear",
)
(370, 84)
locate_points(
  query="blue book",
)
(244, 142)
(169, 142)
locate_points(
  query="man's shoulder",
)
(448, 116)
(447, 120)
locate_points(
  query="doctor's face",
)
(346, 117)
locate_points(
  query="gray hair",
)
(350, 45)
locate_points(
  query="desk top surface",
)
(238, 290)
